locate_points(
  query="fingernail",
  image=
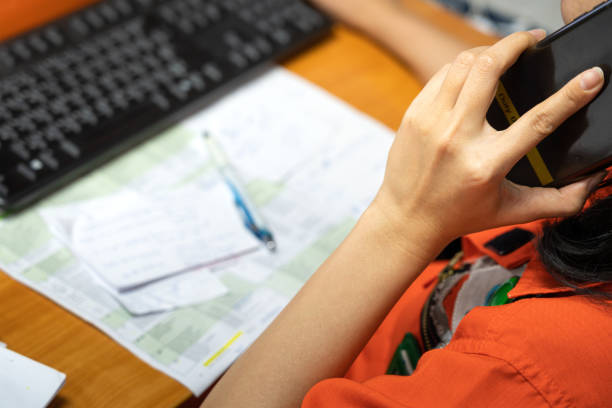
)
(592, 78)
(538, 33)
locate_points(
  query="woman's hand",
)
(447, 166)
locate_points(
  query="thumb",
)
(547, 202)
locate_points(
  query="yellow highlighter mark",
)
(512, 115)
(222, 349)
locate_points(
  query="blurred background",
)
(504, 17)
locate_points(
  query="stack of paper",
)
(149, 250)
(312, 165)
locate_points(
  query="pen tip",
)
(271, 245)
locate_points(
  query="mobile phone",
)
(583, 144)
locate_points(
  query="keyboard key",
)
(119, 100)
(182, 89)
(78, 27)
(232, 39)
(264, 25)
(17, 105)
(237, 59)
(197, 81)
(166, 53)
(281, 36)
(7, 61)
(251, 52)
(160, 37)
(86, 74)
(5, 114)
(37, 43)
(26, 172)
(51, 90)
(212, 12)
(71, 149)
(94, 19)
(41, 117)
(87, 117)
(186, 26)
(135, 94)
(247, 15)
(263, 45)
(168, 14)
(199, 19)
(109, 13)
(49, 160)
(69, 126)
(160, 101)
(59, 107)
(178, 69)
(35, 141)
(24, 124)
(20, 149)
(21, 50)
(7, 133)
(212, 71)
(124, 7)
(92, 92)
(53, 134)
(53, 35)
(34, 97)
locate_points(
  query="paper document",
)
(26, 383)
(131, 239)
(311, 163)
(185, 289)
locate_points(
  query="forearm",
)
(423, 47)
(417, 42)
(325, 326)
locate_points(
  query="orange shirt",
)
(537, 351)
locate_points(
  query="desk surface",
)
(102, 373)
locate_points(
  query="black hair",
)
(577, 250)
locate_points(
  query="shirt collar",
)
(535, 279)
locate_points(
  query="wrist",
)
(409, 233)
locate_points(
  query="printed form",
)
(312, 164)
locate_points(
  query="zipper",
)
(428, 334)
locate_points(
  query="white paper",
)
(185, 289)
(26, 383)
(131, 239)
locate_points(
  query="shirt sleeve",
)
(443, 378)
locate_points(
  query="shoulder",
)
(443, 378)
(555, 343)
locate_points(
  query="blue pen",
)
(250, 216)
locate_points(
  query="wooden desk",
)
(101, 373)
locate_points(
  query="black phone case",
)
(583, 144)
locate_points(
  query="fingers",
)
(428, 94)
(544, 202)
(457, 74)
(481, 83)
(543, 119)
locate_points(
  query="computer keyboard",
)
(84, 88)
